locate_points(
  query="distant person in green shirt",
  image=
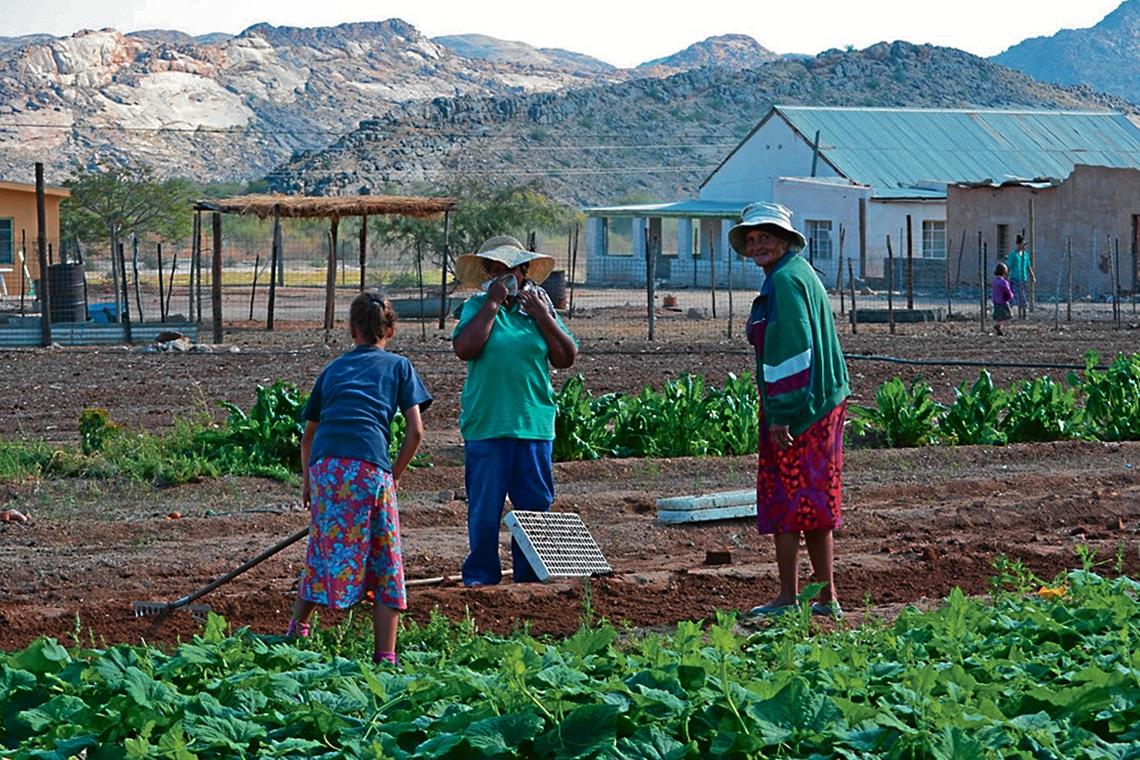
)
(1020, 263)
(509, 335)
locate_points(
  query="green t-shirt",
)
(507, 393)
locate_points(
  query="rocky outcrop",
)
(727, 51)
(1105, 57)
(232, 108)
(647, 138)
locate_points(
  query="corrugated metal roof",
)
(891, 148)
(693, 209)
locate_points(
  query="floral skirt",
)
(802, 488)
(354, 537)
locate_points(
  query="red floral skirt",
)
(802, 488)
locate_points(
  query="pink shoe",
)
(297, 630)
(389, 657)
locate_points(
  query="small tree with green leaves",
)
(484, 210)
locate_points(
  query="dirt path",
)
(917, 522)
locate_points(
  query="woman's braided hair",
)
(371, 316)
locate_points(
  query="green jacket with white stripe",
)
(799, 363)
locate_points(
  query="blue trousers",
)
(494, 469)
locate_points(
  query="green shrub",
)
(95, 429)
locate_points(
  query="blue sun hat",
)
(761, 214)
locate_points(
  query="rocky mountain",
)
(372, 106)
(1105, 57)
(727, 51)
(484, 48)
(236, 107)
(7, 43)
(175, 37)
(647, 138)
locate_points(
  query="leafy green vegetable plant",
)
(904, 417)
(1042, 410)
(973, 417)
(1112, 397)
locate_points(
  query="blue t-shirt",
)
(354, 399)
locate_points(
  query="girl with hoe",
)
(347, 481)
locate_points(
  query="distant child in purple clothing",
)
(1002, 297)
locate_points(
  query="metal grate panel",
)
(558, 544)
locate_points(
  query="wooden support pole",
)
(1032, 257)
(274, 267)
(161, 288)
(1116, 310)
(363, 249)
(854, 311)
(1069, 286)
(949, 303)
(420, 282)
(839, 273)
(862, 237)
(198, 268)
(731, 311)
(216, 277)
(712, 270)
(909, 264)
(253, 286)
(23, 263)
(195, 247)
(650, 274)
(985, 272)
(573, 266)
(125, 314)
(445, 254)
(981, 287)
(330, 279)
(890, 285)
(135, 274)
(170, 288)
(41, 249)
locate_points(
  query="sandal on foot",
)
(769, 610)
(827, 609)
(297, 630)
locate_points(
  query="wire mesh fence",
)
(166, 283)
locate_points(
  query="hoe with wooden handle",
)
(148, 609)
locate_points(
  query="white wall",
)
(772, 152)
(885, 218)
(826, 201)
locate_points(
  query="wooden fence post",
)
(216, 278)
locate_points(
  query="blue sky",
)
(621, 33)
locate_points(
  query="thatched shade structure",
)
(298, 206)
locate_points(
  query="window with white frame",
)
(818, 233)
(6, 241)
(933, 240)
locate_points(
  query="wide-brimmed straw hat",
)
(761, 214)
(507, 251)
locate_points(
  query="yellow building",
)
(18, 229)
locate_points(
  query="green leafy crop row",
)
(1020, 675)
(265, 441)
(686, 418)
(1031, 410)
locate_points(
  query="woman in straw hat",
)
(510, 336)
(803, 400)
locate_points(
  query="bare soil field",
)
(916, 522)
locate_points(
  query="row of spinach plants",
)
(1027, 672)
(1038, 409)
